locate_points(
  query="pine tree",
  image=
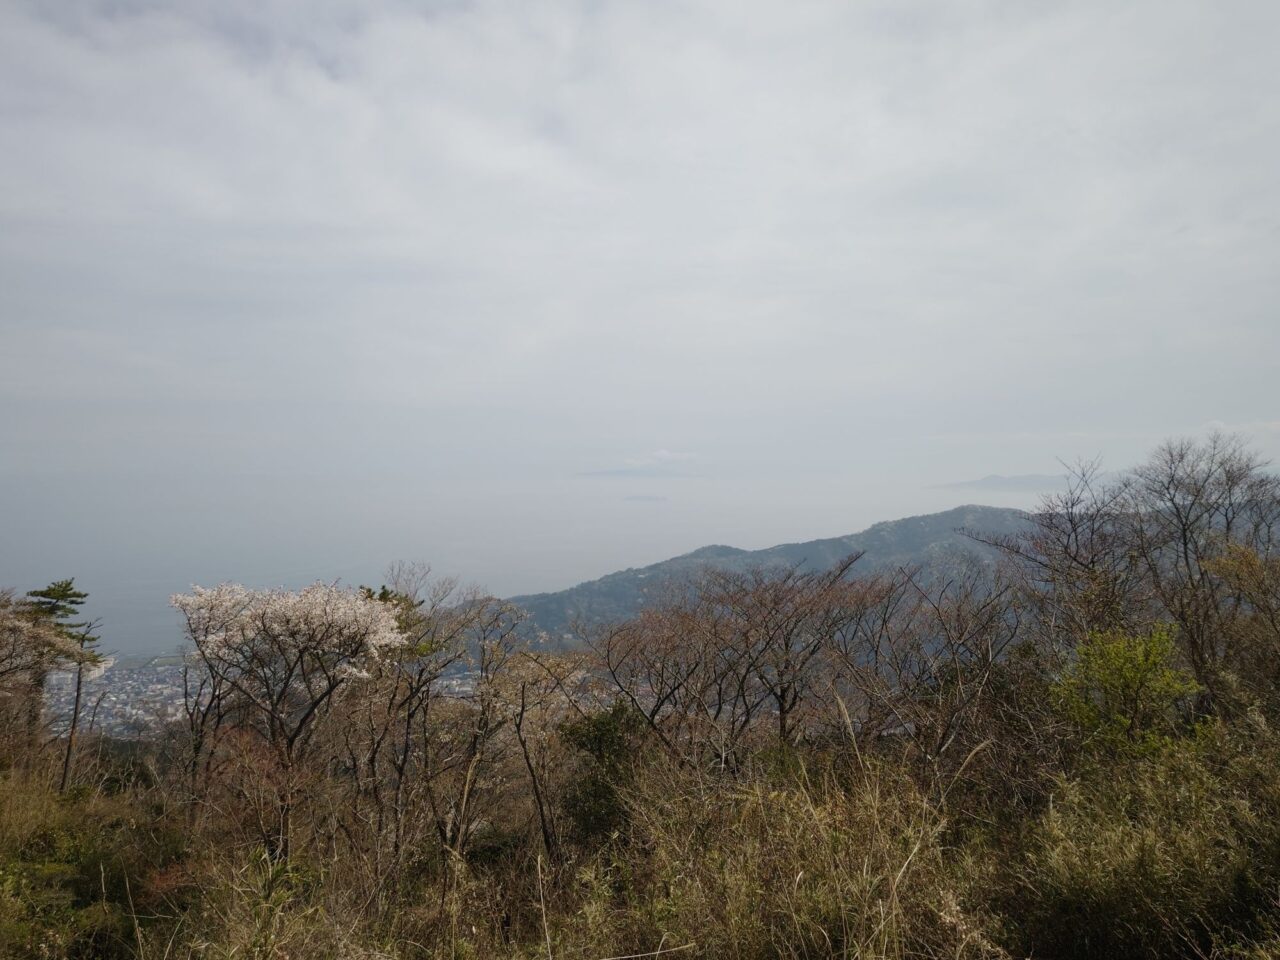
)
(60, 603)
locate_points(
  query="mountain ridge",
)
(933, 540)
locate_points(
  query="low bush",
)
(74, 870)
(775, 869)
(1175, 854)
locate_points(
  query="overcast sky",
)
(535, 291)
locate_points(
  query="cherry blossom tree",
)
(281, 658)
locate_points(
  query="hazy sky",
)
(535, 291)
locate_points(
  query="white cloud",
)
(457, 252)
(659, 457)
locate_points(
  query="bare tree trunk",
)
(71, 732)
(548, 840)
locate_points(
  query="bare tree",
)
(1076, 563)
(780, 622)
(283, 656)
(922, 655)
(1187, 505)
(1125, 553)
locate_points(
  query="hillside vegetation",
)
(1064, 748)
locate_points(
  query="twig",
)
(653, 953)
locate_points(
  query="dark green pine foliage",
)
(60, 603)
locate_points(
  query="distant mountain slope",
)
(932, 540)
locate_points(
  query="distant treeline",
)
(1069, 753)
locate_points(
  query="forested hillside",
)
(936, 542)
(1067, 752)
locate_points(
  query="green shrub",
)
(605, 742)
(70, 869)
(1122, 691)
(1167, 855)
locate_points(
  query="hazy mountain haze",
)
(537, 291)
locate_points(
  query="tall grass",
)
(774, 868)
